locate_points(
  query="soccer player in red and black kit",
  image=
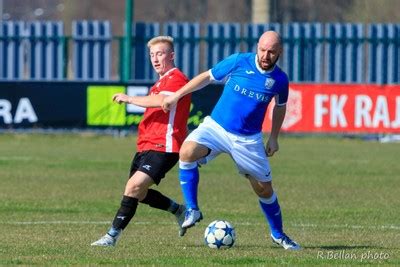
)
(159, 140)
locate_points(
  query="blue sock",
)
(189, 180)
(272, 213)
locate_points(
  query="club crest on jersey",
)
(269, 82)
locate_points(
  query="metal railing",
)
(313, 52)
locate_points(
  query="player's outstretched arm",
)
(142, 101)
(194, 84)
(278, 116)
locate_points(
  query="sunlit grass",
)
(58, 193)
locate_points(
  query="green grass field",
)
(58, 193)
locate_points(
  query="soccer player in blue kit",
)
(234, 127)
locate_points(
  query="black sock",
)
(157, 200)
(125, 212)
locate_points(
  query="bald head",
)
(269, 48)
(270, 37)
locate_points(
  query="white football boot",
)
(286, 242)
(106, 241)
(191, 218)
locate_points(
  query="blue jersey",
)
(247, 93)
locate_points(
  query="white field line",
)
(301, 225)
(348, 226)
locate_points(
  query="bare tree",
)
(374, 11)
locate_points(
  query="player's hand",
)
(271, 147)
(120, 98)
(168, 102)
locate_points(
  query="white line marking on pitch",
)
(303, 225)
(347, 226)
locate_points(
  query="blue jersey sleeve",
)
(224, 67)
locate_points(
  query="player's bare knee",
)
(190, 152)
(136, 190)
(264, 190)
(186, 154)
(266, 193)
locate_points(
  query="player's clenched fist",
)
(169, 102)
(120, 98)
(271, 147)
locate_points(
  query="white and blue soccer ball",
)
(220, 234)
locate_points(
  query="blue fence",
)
(45, 48)
(12, 50)
(313, 52)
(92, 50)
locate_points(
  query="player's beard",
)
(271, 66)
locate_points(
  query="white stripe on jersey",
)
(170, 126)
(170, 130)
(166, 93)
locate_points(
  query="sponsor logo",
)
(121, 217)
(23, 113)
(250, 72)
(252, 94)
(293, 109)
(100, 110)
(147, 167)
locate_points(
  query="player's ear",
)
(172, 56)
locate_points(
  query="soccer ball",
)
(219, 234)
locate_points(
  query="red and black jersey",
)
(162, 131)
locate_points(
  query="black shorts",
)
(154, 163)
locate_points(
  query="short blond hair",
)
(161, 39)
